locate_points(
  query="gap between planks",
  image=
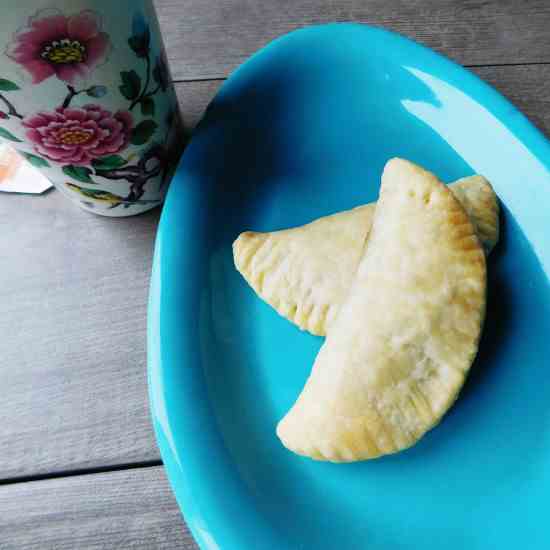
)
(81, 472)
(469, 66)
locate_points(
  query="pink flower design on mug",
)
(79, 135)
(68, 47)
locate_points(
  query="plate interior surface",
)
(302, 130)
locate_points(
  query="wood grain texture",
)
(73, 289)
(194, 97)
(131, 509)
(209, 39)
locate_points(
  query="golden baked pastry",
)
(403, 340)
(305, 273)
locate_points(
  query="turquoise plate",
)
(301, 130)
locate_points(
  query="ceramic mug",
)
(86, 96)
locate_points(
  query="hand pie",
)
(305, 272)
(404, 339)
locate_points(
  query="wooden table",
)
(79, 467)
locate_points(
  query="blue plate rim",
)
(482, 92)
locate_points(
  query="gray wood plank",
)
(209, 39)
(73, 289)
(194, 97)
(131, 509)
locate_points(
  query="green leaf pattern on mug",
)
(80, 160)
(80, 173)
(131, 84)
(6, 134)
(142, 132)
(111, 161)
(35, 160)
(147, 106)
(8, 85)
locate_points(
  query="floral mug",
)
(86, 96)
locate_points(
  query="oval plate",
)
(301, 130)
